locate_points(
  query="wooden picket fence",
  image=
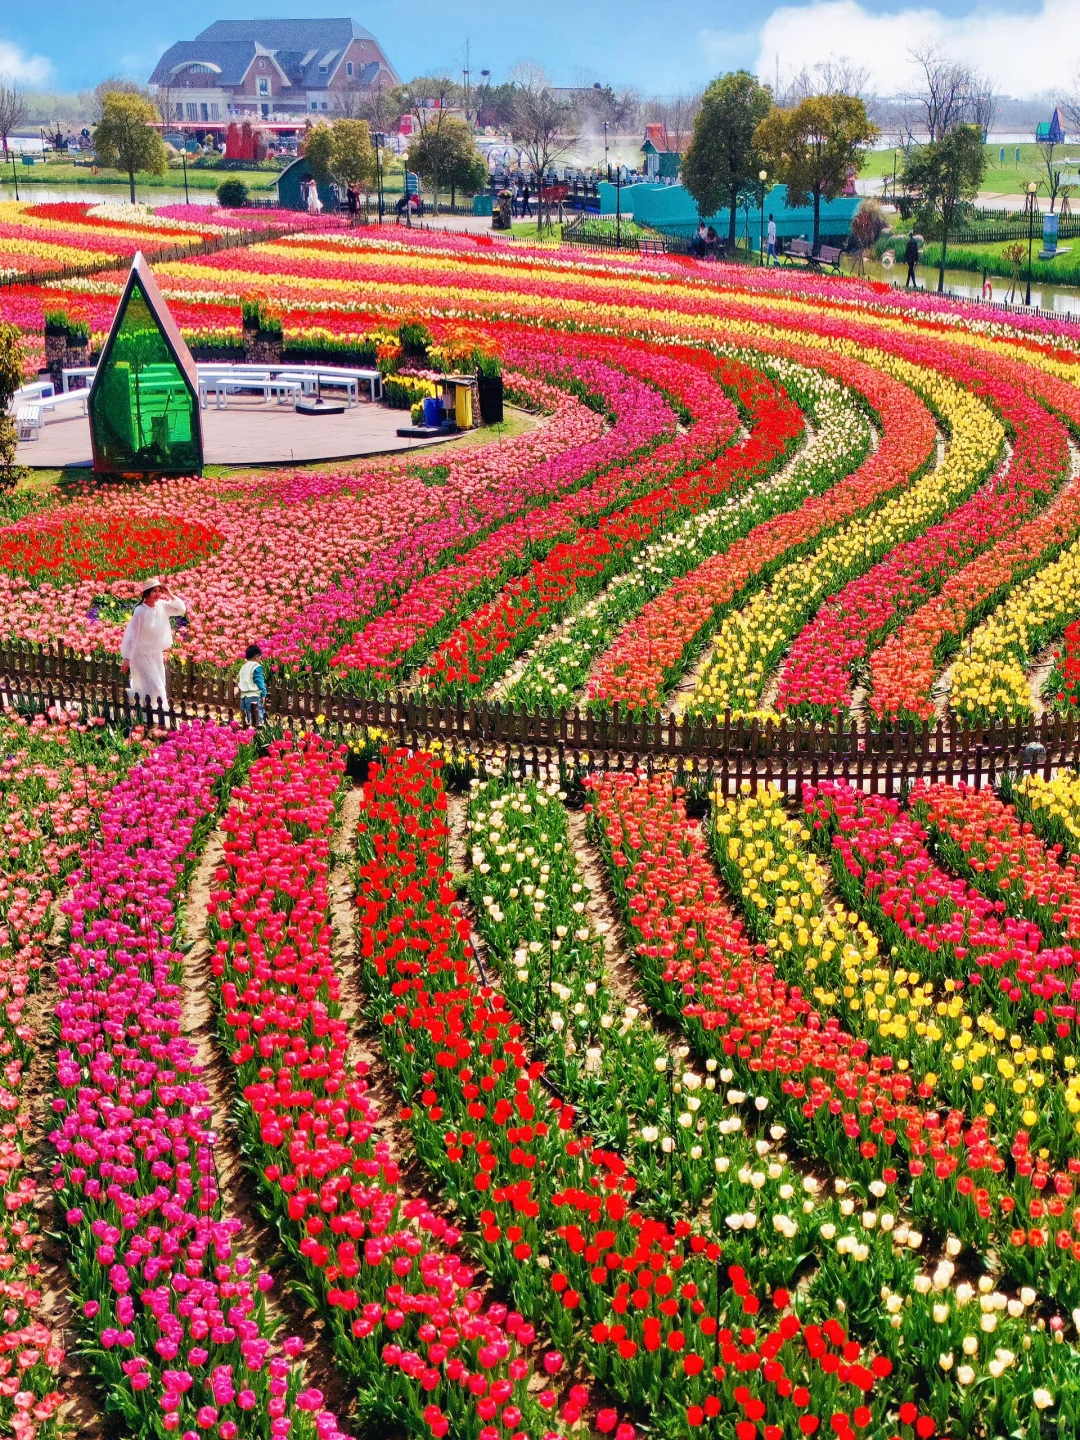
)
(730, 753)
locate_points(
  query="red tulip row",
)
(173, 1310)
(483, 646)
(646, 1301)
(379, 653)
(406, 1313)
(982, 838)
(938, 925)
(902, 670)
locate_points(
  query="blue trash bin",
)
(432, 411)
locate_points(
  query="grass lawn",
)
(1009, 178)
(63, 172)
(1065, 270)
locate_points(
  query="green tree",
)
(943, 173)
(11, 363)
(352, 155)
(124, 139)
(447, 158)
(816, 147)
(317, 149)
(723, 160)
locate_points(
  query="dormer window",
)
(323, 69)
(264, 85)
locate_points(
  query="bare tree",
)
(117, 85)
(677, 114)
(983, 102)
(12, 107)
(1071, 103)
(836, 76)
(542, 124)
(380, 108)
(950, 93)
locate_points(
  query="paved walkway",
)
(249, 432)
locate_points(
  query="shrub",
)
(233, 194)
(11, 374)
(415, 338)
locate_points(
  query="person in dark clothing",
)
(525, 202)
(352, 197)
(911, 259)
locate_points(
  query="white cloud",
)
(1024, 54)
(27, 69)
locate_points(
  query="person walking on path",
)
(147, 637)
(770, 258)
(911, 259)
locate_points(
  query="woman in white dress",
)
(146, 639)
(314, 204)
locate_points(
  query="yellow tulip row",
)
(751, 640)
(784, 890)
(990, 680)
(1055, 805)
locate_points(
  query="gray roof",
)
(298, 46)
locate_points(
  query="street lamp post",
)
(14, 173)
(618, 200)
(1031, 192)
(183, 156)
(763, 175)
(378, 170)
(607, 167)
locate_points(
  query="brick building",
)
(269, 70)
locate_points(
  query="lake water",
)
(94, 194)
(967, 285)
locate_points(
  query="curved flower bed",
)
(817, 678)
(173, 1309)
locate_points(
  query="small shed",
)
(290, 182)
(1051, 132)
(662, 151)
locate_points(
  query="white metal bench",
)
(31, 417)
(27, 394)
(232, 384)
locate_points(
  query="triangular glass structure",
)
(144, 402)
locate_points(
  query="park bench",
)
(30, 417)
(827, 255)
(652, 247)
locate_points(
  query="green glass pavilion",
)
(144, 402)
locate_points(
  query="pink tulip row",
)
(902, 670)
(386, 645)
(817, 679)
(54, 781)
(938, 925)
(643, 420)
(483, 645)
(264, 567)
(172, 1306)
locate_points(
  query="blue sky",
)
(659, 46)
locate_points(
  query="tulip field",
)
(360, 1088)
